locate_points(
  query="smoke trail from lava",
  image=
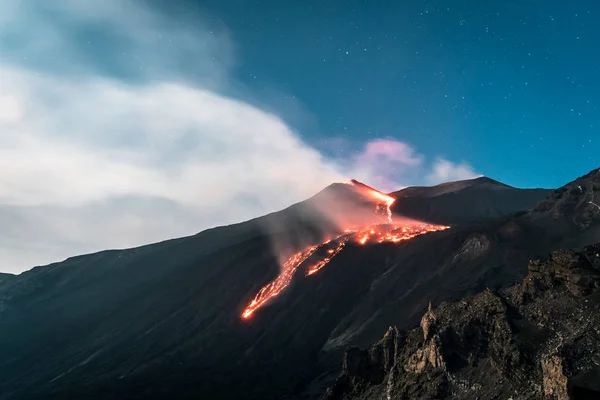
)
(338, 220)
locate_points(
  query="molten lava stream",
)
(283, 280)
(330, 254)
(375, 234)
(390, 232)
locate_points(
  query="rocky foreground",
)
(539, 339)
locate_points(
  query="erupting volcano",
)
(375, 232)
(384, 202)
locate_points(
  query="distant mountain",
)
(465, 201)
(164, 320)
(452, 187)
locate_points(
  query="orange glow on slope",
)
(384, 198)
(330, 254)
(381, 198)
(283, 280)
(397, 233)
(391, 232)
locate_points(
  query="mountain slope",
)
(163, 321)
(453, 187)
(465, 201)
(5, 277)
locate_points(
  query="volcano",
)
(265, 309)
(391, 231)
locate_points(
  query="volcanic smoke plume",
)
(377, 226)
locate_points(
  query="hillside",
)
(163, 321)
(465, 201)
(537, 339)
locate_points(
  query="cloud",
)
(445, 171)
(382, 160)
(116, 131)
(203, 159)
(104, 139)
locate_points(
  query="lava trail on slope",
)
(373, 233)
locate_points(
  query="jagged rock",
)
(385, 352)
(576, 202)
(428, 323)
(538, 339)
(554, 379)
(361, 368)
(534, 283)
(430, 355)
(578, 271)
(505, 354)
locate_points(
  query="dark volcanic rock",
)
(572, 208)
(465, 201)
(163, 321)
(538, 339)
(362, 368)
(575, 269)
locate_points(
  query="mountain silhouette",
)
(163, 320)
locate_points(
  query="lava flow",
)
(274, 288)
(377, 233)
(384, 200)
(330, 254)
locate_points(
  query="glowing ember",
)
(391, 232)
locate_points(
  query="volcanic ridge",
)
(279, 307)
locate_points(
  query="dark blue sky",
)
(511, 87)
(160, 100)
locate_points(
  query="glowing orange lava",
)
(274, 288)
(330, 254)
(379, 233)
(395, 233)
(381, 198)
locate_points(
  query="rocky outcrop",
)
(538, 339)
(361, 368)
(430, 355)
(578, 201)
(554, 379)
(385, 352)
(579, 271)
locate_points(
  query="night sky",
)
(127, 122)
(511, 87)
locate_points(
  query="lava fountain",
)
(374, 233)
